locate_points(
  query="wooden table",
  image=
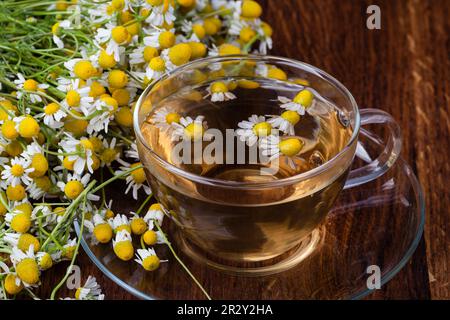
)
(403, 68)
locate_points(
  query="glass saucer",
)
(378, 224)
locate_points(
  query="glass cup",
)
(265, 226)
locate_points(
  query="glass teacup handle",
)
(376, 167)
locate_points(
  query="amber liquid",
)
(247, 224)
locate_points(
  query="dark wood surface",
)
(403, 69)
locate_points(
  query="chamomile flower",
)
(29, 85)
(39, 188)
(56, 30)
(104, 109)
(190, 129)
(20, 222)
(154, 214)
(115, 37)
(265, 43)
(160, 38)
(164, 119)
(12, 285)
(122, 245)
(69, 249)
(274, 147)
(52, 115)
(161, 12)
(23, 241)
(285, 122)
(90, 291)
(155, 68)
(120, 222)
(17, 172)
(110, 152)
(81, 67)
(301, 102)
(143, 54)
(78, 98)
(148, 259)
(75, 186)
(44, 260)
(219, 92)
(252, 129)
(26, 266)
(80, 153)
(135, 180)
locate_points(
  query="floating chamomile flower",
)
(135, 180)
(56, 30)
(154, 214)
(190, 129)
(148, 259)
(122, 245)
(26, 266)
(219, 92)
(164, 119)
(301, 102)
(17, 172)
(162, 12)
(90, 291)
(29, 85)
(75, 186)
(52, 115)
(275, 147)
(256, 127)
(285, 122)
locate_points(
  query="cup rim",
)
(236, 184)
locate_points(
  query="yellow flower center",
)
(251, 9)
(150, 237)
(124, 117)
(199, 30)
(155, 3)
(109, 214)
(73, 98)
(194, 131)
(124, 250)
(305, 98)
(55, 28)
(10, 285)
(105, 60)
(138, 174)
(16, 193)
(40, 165)
(198, 49)
(108, 155)
(17, 170)
(46, 261)
(110, 101)
(291, 116)
(21, 223)
(267, 29)
(117, 79)
(73, 189)
(180, 54)
(122, 96)
(13, 149)
(9, 130)
(173, 117)
(138, 226)
(29, 127)
(156, 206)
(51, 108)
(218, 87)
(118, 4)
(248, 84)
(227, 49)
(84, 69)
(26, 240)
(69, 252)
(43, 183)
(97, 89)
(103, 233)
(77, 293)
(68, 164)
(166, 39)
(119, 34)
(290, 147)
(246, 34)
(149, 53)
(276, 73)
(87, 144)
(59, 211)
(24, 208)
(122, 227)
(151, 263)
(30, 85)
(28, 271)
(157, 64)
(262, 129)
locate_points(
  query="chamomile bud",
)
(28, 271)
(117, 79)
(12, 284)
(84, 69)
(122, 246)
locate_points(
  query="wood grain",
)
(403, 69)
